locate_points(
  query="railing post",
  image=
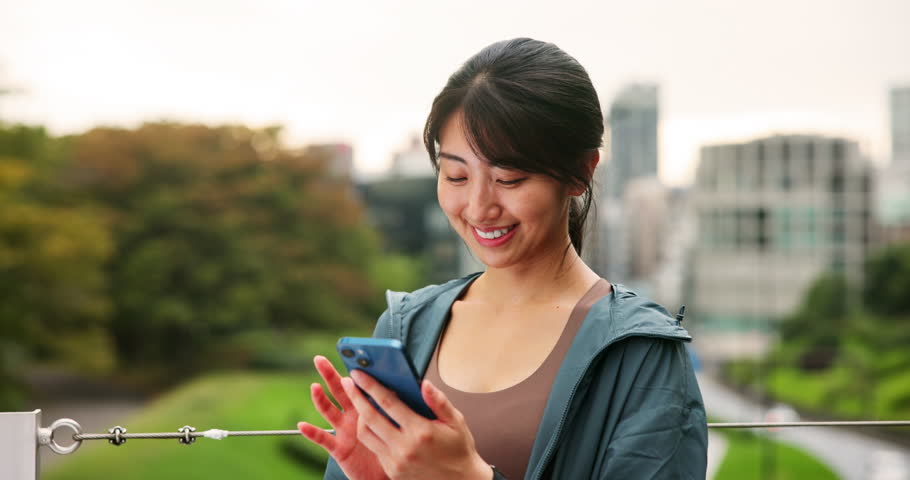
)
(19, 445)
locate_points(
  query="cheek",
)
(449, 200)
(542, 207)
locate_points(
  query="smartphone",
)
(385, 360)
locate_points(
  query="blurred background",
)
(197, 197)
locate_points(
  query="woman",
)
(536, 365)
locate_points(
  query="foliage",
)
(177, 248)
(849, 361)
(888, 281)
(52, 281)
(218, 231)
(398, 272)
(819, 322)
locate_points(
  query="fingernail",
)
(357, 375)
(346, 383)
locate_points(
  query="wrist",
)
(482, 470)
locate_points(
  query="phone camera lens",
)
(363, 362)
(347, 352)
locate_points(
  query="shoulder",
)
(401, 305)
(405, 301)
(623, 313)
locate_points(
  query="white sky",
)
(366, 72)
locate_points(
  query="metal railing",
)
(21, 437)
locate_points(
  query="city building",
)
(900, 126)
(412, 161)
(672, 280)
(893, 185)
(773, 214)
(646, 209)
(631, 140)
(632, 125)
(402, 206)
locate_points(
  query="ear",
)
(590, 164)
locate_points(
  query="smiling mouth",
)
(493, 234)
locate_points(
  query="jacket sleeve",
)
(332, 470)
(662, 432)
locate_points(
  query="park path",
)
(852, 455)
(717, 449)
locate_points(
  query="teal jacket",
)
(624, 405)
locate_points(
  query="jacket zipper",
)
(565, 412)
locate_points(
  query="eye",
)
(456, 180)
(513, 182)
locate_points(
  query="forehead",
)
(452, 138)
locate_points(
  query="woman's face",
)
(506, 217)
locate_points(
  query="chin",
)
(493, 260)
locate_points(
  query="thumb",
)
(438, 402)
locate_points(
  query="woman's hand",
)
(356, 460)
(421, 448)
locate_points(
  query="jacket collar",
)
(618, 315)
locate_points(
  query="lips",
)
(496, 241)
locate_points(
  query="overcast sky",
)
(366, 72)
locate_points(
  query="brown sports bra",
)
(504, 423)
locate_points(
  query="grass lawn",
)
(747, 452)
(235, 401)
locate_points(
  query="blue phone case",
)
(385, 360)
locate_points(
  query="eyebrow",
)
(452, 157)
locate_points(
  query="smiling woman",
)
(536, 365)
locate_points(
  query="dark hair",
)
(528, 106)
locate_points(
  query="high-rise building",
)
(900, 126)
(773, 214)
(632, 125)
(631, 153)
(893, 192)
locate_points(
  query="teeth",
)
(493, 234)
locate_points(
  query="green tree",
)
(52, 283)
(818, 324)
(887, 288)
(219, 231)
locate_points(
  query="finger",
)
(318, 436)
(440, 404)
(324, 406)
(387, 399)
(369, 415)
(332, 380)
(369, 439)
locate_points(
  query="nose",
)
(483, 203)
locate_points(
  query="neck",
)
(548, 279)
